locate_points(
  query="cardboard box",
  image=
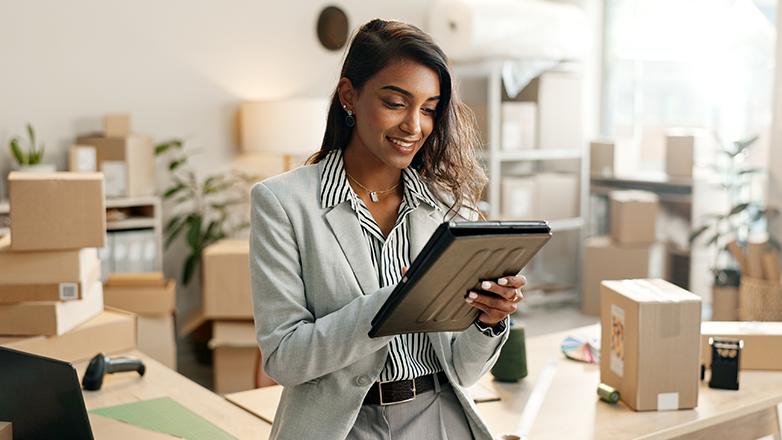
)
(6, 431)
(227, 294)
(519, 125)
(44, 266)
(559, 110)
(542, 196)
(53, 211)
(762, 343)
(651, 343)
(112, 331)
(519, 200)
(605, 260)
(143, 293)
(679, 155)
(131, 158)
(235, 356)
(601, 158)
(632, 216)
(724, 303)
(53, 317)
(157, 338)
(558, 195)
(117, 125)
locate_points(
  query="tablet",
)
(455, 260)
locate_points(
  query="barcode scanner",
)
(102, 365)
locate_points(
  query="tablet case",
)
(458, 256)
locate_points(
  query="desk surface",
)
(571, 408)
(161, 381)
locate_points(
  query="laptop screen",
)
(41, 397)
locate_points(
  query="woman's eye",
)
(394, 104)
(429, 111)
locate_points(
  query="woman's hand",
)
(496, 307)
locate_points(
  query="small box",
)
(53, 317)
(157, 338)
(605, 260)
(762, 342)
(557, 195)
(235, 357)
(519, 124)
(52, 211)
(632, 216)
(82, 158)
(601, 158)
(128, 161)
(6, 431)
(679, 155)
(650, 350)
(112, 331)
(227, 293)
(725, 303)
(143, 300)
(519, 199)
(117, 125)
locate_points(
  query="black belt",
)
(389, 393)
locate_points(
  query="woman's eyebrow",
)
(406, 93)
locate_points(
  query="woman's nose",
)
(412, 122)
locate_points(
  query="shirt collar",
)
(336, 189)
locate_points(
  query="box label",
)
(617, 355)
(667, 401)
(69, 291)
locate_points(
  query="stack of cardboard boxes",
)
(228, 305)
(626, 251)
(153, 299)
(51, 296)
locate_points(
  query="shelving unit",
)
(481, 87)
(138, 213)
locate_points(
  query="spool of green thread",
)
(512, 363)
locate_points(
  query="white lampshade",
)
(288, 127)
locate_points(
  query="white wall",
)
(179, 67)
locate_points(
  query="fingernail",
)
(502, 281)
(472, 295)
(468, 300)
(485, 285)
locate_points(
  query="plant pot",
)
(37, 168)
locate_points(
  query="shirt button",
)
(362, 380)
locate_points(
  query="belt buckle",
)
(380, 391)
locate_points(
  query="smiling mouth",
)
(402, 143)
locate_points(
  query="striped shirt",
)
(409, 355)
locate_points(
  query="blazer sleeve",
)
(296, 345)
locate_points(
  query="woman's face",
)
(395, 113)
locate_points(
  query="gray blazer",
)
(315, 293)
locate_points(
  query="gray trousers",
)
(433, 415)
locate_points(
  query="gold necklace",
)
(373, 194)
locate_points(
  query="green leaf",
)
(698, 232)
(194, 234)
(17, 152)
(161, 148)
(189, 267)
(171, 223)
(174, 164)
(173, 235)
(170, 193)
(31, 132)
(738, 208)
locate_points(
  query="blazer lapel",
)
(347, 230)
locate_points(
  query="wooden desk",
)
(161, 381)
(572, 410)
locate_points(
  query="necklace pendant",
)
(373, 196)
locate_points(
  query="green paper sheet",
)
(166, 416)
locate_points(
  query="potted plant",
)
(206, 210)
(29, 157)
(745, 216)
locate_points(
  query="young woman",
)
(330, 240)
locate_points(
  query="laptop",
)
(41, 397)
(458, 256)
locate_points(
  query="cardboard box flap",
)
(139, 279)
(60, 175)
(651, 290)
(631, 195)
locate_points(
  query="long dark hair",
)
(447, 160)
